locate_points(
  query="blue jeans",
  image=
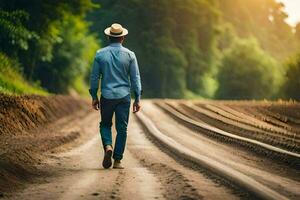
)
(121, 109)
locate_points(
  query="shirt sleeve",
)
(94, 79)
(135, 78)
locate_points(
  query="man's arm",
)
(135, 80)
(94, 83)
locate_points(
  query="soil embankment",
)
(25, 133)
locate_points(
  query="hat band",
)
(116, 33)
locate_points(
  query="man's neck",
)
(115, 44)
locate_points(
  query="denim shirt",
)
(118, 69)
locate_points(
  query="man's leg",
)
(122, 116)
(107, 110)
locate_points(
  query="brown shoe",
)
(107, 157)
(118, 165)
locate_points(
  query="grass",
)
(81, 87)
(191, 95)
(18, 86)
(12, 81)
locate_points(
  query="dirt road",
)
(74, 171)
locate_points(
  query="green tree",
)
(169, 37)
(169, 70)
(263, 19)
(44, 19)
(291, 87)
(50, 39)
(247, 72)
(14, 36)
(72, 57)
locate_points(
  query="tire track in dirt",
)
(260, 148)
(277, 115)
(277, 176)
(178, 180)
(73, 170)
(235, 125)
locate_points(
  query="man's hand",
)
(136, 107)
(96, 104)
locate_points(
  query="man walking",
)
(118, 69)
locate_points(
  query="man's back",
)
(117, 66)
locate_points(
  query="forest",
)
(217, 49)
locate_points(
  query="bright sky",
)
(292, 8)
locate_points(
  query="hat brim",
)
(107, 32)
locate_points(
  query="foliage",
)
(291, 86)
(185, 49)
(263, 19)
(247, 72)
(169, 71)
(14, 36)
(12, 81)
(71, 58)
(200, 32)
(174, 41)
(51, 40)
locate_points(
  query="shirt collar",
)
(117, 44)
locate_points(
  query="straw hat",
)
(116, 30)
